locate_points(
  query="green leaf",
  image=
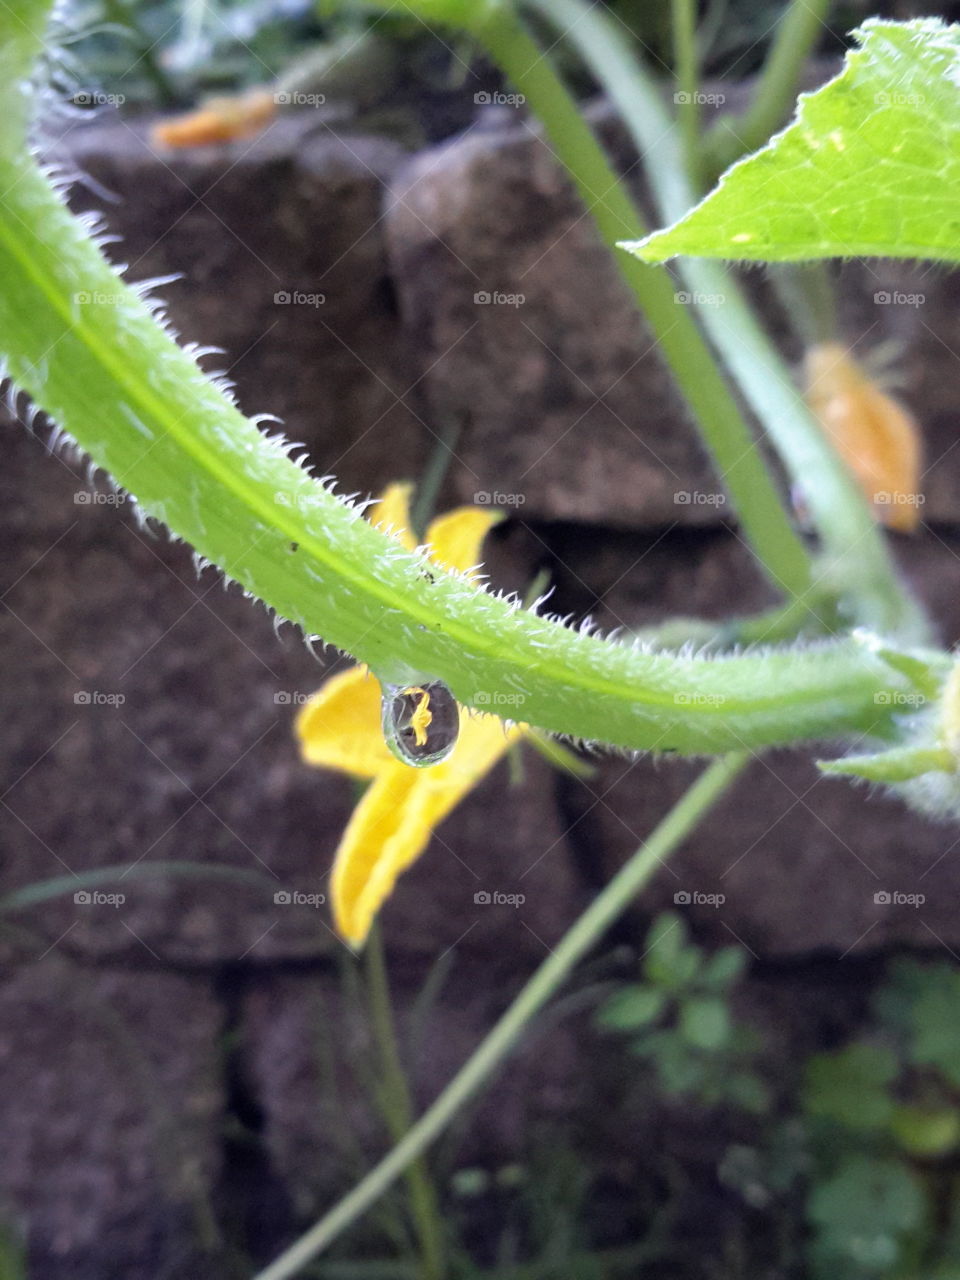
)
(926, 1131)
(679, 1069)
(724, 968)
(670, 962)
(705, 1022)
(937, 1028)
(868, 1197)
(870, 165)
(748, 1091)
(851, 1087)
(631, 1008)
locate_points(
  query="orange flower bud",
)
(876, 437)
(217, 120)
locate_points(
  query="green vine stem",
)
(855, 563)
(735, 136)
(90, 353)
(609, 904)
(679, 341)
(397, 1109)
(687, 79)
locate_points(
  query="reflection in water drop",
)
(420, 722)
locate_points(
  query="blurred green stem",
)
(735, 136)
(125, 15)
(609, 904)
(397, 1108)
(687, 78)
(679, 341)
(806, 292)
(855, 565)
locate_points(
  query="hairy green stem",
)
(735, 136)
(90, 353)
(610, 903)
(98, 363)
(856, 565)
(397, 1107)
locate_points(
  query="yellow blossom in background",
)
(217, 120)
(340, 728)
(875, 436)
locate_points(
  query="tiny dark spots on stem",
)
(294, 546)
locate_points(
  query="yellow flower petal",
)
(392, 514)
(456, 537)
(218, 120)
(394, 820)
(339, 726)
(875, 436)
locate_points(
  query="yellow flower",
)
(217, 120)
(340, 728)
(875, 436)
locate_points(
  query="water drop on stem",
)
(421, 722)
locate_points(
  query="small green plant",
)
(859, 1158)
(883, 1117)
(681, 1025)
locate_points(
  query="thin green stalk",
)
(734, 136)
(397, 1107)
(434, 474)
(806, 293)
(741, 465)
(687, 78)
(126, 16)
(856, 564)
(610, 903)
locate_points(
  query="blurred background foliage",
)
(168, 52)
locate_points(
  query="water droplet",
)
(420, 722)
